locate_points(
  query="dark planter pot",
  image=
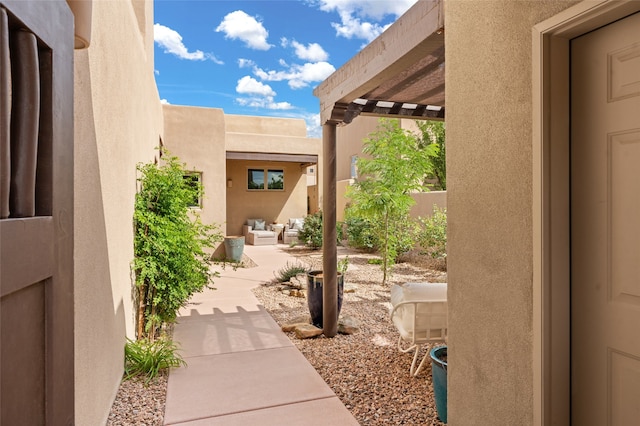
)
(314, 295)
(233, 247)
(439, 372)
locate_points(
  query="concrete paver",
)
(320, 412)
(229, 332)
(241, 368)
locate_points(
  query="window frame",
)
(266, 175)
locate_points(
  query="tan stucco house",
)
(542, 105)
(541, 100)
(223, 149)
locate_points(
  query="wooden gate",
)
(36, 213)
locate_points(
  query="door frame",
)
(551, 201)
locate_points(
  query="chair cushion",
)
(259, 225)
(431, 316)
(418, 291)
(296, 223)
(251, 222)
(263, 234)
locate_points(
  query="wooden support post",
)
(330, 249)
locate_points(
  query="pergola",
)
(399, 74)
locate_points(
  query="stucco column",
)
(329, 246)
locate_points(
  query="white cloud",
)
(298, 76)
(354, 28)
(239, 25)
(360, 19)
(245, 63)
(156, 72)
(314, 129)
(164, 102)
(259, 95)
(266, 102)
(250, 86)
(375, 10)
(311, 52)
(172, 43)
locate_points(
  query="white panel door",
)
(605, 225)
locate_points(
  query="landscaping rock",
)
(303, 319)
(350, 288)
(307, 331)
(348, 325)
(291, 325)
(299, 281)
(293, 290)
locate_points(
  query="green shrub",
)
(147, 358)
(311, 232)
(433, 235)
(289, 271)
(343, 265)
(405, 232)
(170, 261)
(360, 233)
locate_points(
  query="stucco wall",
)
(350, 141)
(423, 207)
(265, 125)
(269, 135)
(341, 197)
(425, 202)
(118, 122)
(196, 136)
(489, 167)
(272, 206)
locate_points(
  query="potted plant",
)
(233, 247)
(439, 373)
(315, 281)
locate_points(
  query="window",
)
(354, 168)
(261, 179)
(193, 180)
(256, 179)
(276, 179)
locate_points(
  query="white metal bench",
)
(419, 312)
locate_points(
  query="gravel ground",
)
(138, 403)
(365, 370)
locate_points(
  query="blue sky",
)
(261, 57)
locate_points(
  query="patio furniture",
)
(419, 312)
(258, 233)
(278, 228)
(291, 229)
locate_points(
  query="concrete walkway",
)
(242, 369)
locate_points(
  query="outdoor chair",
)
(291, 229)
(419, 312)
(257, 233)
